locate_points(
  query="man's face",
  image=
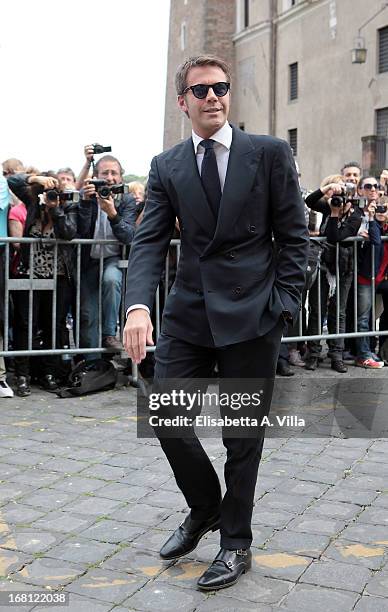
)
(66, 181)
(110, 172)
(209, 114)
(368, 189)
(352, 174)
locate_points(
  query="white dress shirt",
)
(223, 141)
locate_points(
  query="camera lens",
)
(104, 192)
(52, 195)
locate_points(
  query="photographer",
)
(107, 216)
(50, 214)
(375, 221)
(341, 219)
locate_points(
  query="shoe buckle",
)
(241, 552)
(230, 564)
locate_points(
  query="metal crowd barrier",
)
(32, 284)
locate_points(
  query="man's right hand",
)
(89, 152)
(371, 211)
(331, 189)
(47, 182)
(137, 334)
(88, 190)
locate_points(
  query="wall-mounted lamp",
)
(359, 51)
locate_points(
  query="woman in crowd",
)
(47, 217)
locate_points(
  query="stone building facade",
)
(293, 74)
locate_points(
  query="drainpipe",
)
(272, 67)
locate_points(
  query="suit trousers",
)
(193, 470)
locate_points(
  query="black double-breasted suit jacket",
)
(238, 273)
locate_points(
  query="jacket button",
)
(231, 255)
(199, 292)
(237, 290)
(252, 228)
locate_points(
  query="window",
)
(382, 122)
(293, 140)
(383, 49)
(246, 13)
(293, 81)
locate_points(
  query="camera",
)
(98, 149)
(381, 208)
(348, 194)
(64, 196)
(104, 190)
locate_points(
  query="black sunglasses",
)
(200, 91)
(370, 185)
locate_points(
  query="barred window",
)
(293, 140)
(246, 13)
(382, 122)
(383, 49)
(293, 81)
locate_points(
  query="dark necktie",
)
(210, 177)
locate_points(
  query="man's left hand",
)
(108, 206)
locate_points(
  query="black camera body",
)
(98, 149)
(381, 209)
(348, 194)
(64, 196)
(104, 190)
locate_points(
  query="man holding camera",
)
(105, 213)
(51, 214)
(341, 219)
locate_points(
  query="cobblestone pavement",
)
(85, 506)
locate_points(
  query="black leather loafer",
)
(226, 569)
(311, 363)
(48, 383)
(339, 366)
(23, 386)
(283, 369)
(185, 539)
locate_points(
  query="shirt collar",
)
(223, 136)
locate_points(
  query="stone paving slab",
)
(306, 544)
(378, 585)
(306, 598)
(78, 604)
(229, 604)
(371, 604)
(164, 598)
(83, 551)
(372, 556)
(141, 514)
(46, 572)
(106, 585)
(115, 532)
(31, 541)
(333, 574)
(12, 586)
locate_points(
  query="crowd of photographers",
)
(346, 205)
(58, 206)
(98, 205)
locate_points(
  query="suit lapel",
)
(242, 167)
(185, 176)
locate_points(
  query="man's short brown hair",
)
(108, 158)
(194, 62)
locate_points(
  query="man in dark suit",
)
(232, 193)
